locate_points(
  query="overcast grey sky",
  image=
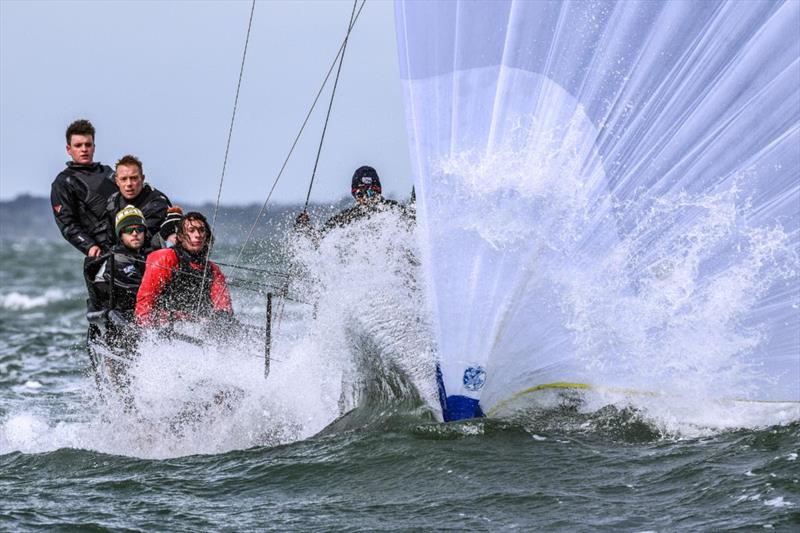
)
(158, 80)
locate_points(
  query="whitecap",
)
(778, 502)
(17, 301)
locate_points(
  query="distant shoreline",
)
(30, 217)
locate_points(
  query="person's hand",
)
(94, 251)
(302, 219)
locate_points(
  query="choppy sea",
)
(280, 455)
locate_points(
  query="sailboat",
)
(606, 198)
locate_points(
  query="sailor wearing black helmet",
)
(366, 190)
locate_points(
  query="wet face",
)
(81, 149)
(193, 237)
(130, 181)
(132, 237)
(367, 194)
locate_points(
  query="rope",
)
(297, 137)
(235, 282)
(228, 144)
(330, 105)
(253, 269)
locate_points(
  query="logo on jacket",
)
(57, 208)
(129, 269)
(474, 378)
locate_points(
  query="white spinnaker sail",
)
(608, 194)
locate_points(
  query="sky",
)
(158, 80)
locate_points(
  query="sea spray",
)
(366, 311)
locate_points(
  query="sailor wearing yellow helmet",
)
(114, 283)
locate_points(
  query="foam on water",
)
(16, 301)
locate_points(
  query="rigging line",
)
(231, 281)
(330, 105)
(327, 116)
(175, 335)
(230, 135)
(297, 138)
(254, 269)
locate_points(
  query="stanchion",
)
(268, 335)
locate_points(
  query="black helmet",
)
(365, 177)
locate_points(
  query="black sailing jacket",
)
(128, 269)
(153, 204)
(78, 197)
(362, 211)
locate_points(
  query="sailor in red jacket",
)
(174, 286)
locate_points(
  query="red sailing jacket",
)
(174, 288)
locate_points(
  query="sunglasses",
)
(133, 229)
(368, 192)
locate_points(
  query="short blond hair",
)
(129, 161)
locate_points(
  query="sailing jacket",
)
(79, 195)
(127, 271)
(174, 287)
(152, 202)
(363, 211)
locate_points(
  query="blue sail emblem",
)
(474, 378)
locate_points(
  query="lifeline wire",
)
(253, 269)
(228, 144)
(237, 282)
(297, 137)
(330, 105)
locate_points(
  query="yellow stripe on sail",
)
(565, 385)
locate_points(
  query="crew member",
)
(365, 187)
(80, 192)
(113, 282)
(129, 178)
(167, 235)
(123, 270)
(179, 283)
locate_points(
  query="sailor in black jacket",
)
(113, 280)
(129, 178)
(122, 269)
(366, 190)
(80, 192)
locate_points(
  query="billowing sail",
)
(608, 195)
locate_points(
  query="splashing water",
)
(186, 400)
(356, 342)
(366, 313)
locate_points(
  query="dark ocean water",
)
(69, 463)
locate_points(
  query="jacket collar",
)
(146, 190)
(91, 166)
